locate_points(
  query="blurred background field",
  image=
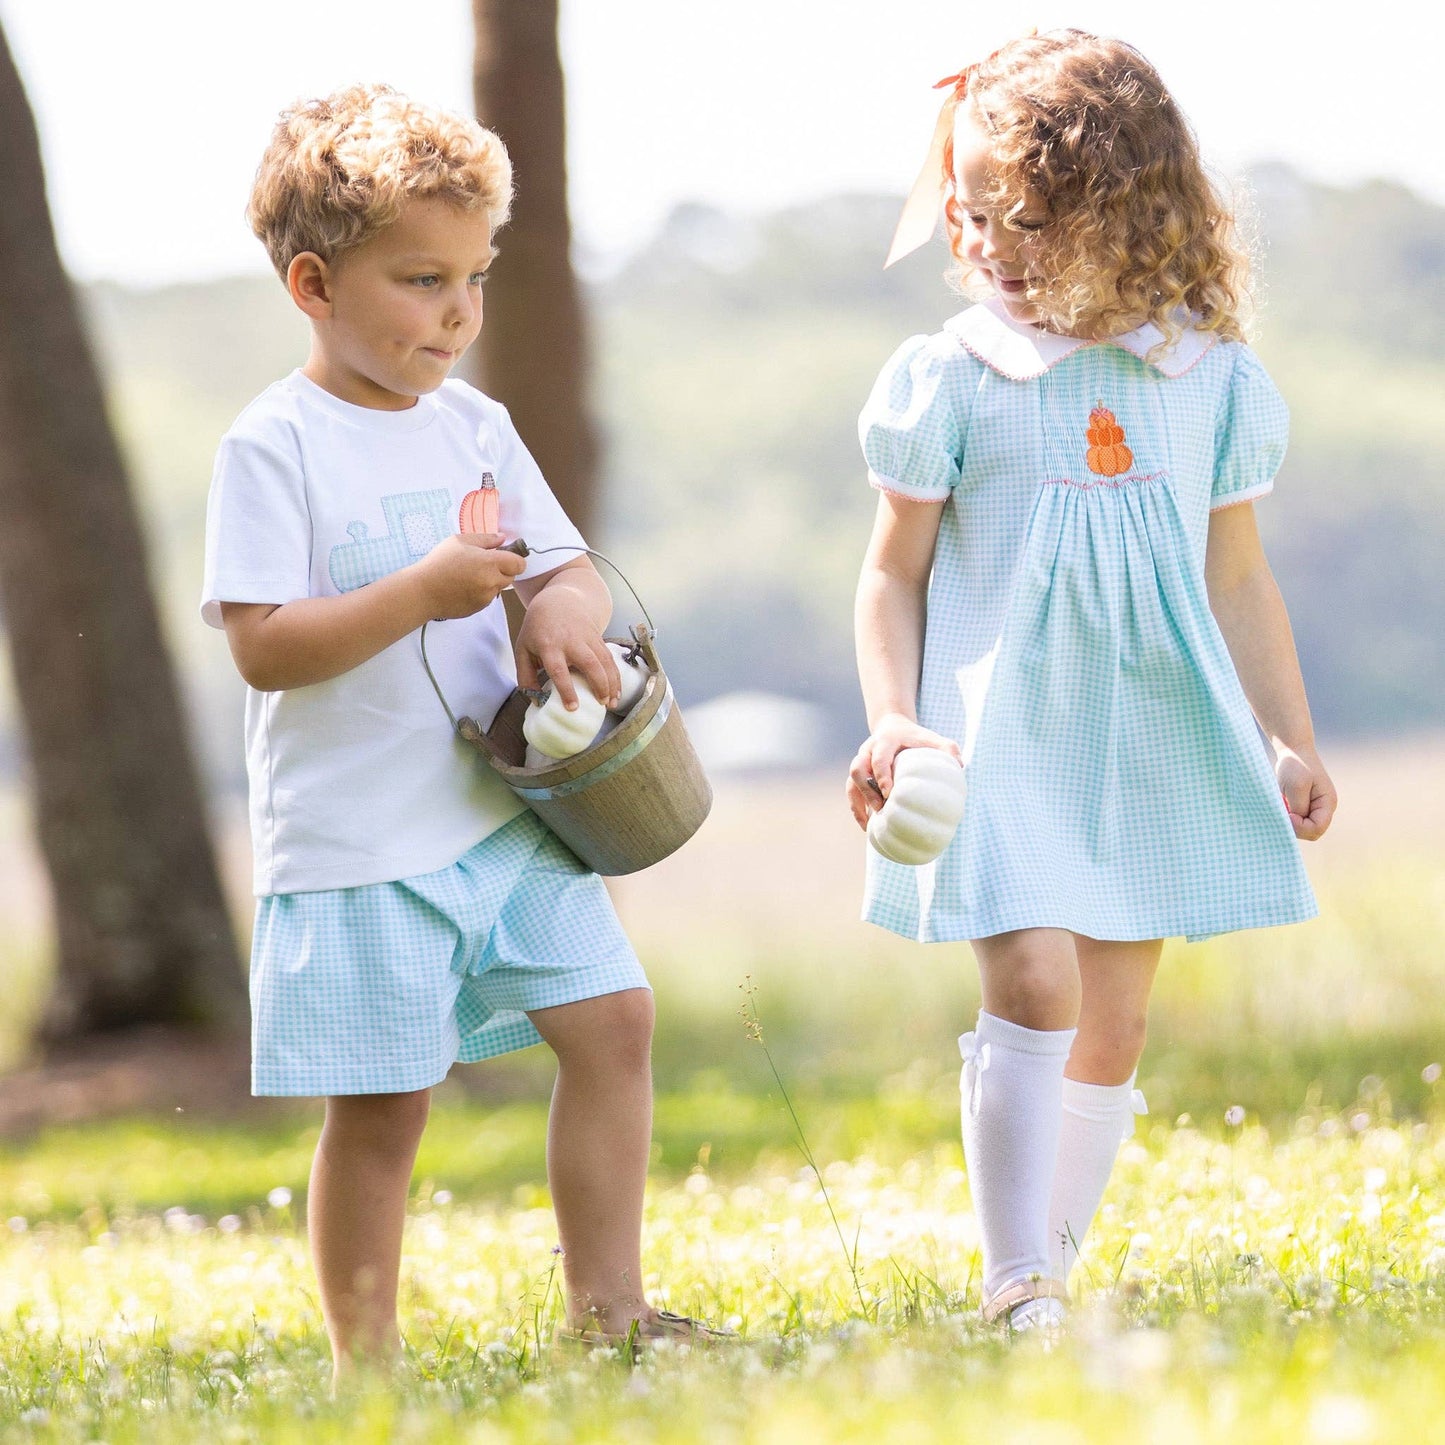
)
(1328, 1028)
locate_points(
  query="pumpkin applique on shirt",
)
(1107, 455)
(481, 509)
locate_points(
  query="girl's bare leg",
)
(598, 1138)
(1116, 981)
(354, 1216)
(1030, 977)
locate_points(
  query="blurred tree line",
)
(732, 356)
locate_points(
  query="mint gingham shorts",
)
(380, 989)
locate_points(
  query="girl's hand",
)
(870, 776)
(1308, 792)
(463, 574)
(559, 635)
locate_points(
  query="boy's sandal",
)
(1022, 1292)
(662, 1327)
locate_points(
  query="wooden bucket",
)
(626, 802)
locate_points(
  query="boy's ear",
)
(308, 279)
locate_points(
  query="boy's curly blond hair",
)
(338, 170)
(1083, 129)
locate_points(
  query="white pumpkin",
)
(923, 808)
(534, 758)
(634, 679)
(557, 733)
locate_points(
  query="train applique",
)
(415, 521)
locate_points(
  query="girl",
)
(1065, 589)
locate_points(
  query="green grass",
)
(1266, 1288)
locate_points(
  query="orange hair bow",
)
(919, 217)
(920, 211)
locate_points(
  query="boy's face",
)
(402, 308)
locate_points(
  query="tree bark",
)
(142, 931)
(534, 347)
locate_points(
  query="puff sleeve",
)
(912, 427)
(1250, 435)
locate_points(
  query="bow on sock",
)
(1137, 1107)
(976, 1058)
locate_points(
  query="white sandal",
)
(1000, 1308)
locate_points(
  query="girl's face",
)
(1001, 254)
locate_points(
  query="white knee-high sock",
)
(1097, 1118)
(1011, 1094)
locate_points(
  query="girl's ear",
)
(308, 279)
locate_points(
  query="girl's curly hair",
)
(1083, 129)
(338, 170)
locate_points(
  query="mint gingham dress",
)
(1118, 785)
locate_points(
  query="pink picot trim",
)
(879, 485)
(994, 366)
(1132, 480)
(1172, 375)
(1249, 494)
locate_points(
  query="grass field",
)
(1246, 1286)
(1278, 1280)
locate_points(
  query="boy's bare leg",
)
(598, 1138)
(354, 1216)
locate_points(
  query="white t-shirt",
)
(361, 779)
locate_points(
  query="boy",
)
(410, 911)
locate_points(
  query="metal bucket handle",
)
(642, 634)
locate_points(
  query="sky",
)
(153, 113)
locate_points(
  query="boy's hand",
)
(559, 636)
(1308, 792)
(870, 776)
(465, 573)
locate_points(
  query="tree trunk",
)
(533, 348)
(142, 931)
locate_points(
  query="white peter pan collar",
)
(1022, 352)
